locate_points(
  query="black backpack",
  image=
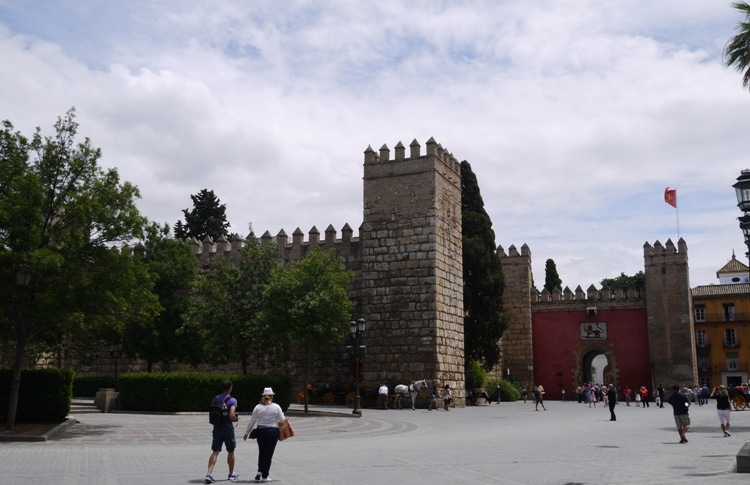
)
(219, 412)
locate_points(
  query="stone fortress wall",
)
(408, 282)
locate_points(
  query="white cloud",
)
(574, 114)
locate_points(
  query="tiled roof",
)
(733, 266)
(721, 290)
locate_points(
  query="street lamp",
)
(357, 328)
(742, 189)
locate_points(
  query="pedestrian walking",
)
(539, 397)
(383, 396)
(680, 407)
(267, 415)
(644, 397)
(223, 432)
(447, 397)
(612, 401)
(723, 408)
(433, 399)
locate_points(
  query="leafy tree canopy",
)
(307, 305)
(61, 220)
(625, 282)
(207, 218)
(224, 321)
(172, 267)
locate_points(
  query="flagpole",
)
(670, 197)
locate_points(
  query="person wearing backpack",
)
(222, 414)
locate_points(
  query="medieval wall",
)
(517, 344)
(570, 328)
(412, 270)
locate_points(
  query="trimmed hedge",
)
(510, 390)
(193, 392)
(44, 396)
(86, 386)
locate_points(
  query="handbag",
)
(285, 430)
(253, 433)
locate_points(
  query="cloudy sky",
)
(574, 114)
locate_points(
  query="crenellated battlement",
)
(347, 246)
(605, 294)
(434, 149)
(668, 252)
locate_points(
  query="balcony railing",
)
(721, 317)
(732, 344)
(704, 345)
(723, 367)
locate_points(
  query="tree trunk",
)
(15, 385)
(307, 374)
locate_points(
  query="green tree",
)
(307, 305)
(551, 278)
(207, 218)
(737, 49)
(173, 270)
(625, 282)
(61, 218)
(227, 305)
(484, 282)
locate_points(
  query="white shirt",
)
(383, 390)
(266, 415)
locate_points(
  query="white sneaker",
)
(267, 479)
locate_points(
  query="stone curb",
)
(60, 428)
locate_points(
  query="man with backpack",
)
(222, 414)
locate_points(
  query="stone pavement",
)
(508, 443)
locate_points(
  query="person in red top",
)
(626, 392)
(644, 396)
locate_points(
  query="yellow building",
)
(722, 326)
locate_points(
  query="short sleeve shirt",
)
(230, 402)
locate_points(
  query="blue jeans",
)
(267, 439)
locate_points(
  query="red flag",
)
(670, 197)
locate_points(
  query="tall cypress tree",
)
(551, 278)
(484, 282)
(207, 218)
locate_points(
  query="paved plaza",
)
(509, 443)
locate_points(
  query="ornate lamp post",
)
(742, 188)
(357, 328)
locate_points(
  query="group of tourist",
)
(680, 399)
(266, 415)
(444, 394)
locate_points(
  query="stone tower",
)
(517, 349)
(411, 265)
(671, 329)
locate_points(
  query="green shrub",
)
(476, 376)
(44, 395)
(193, 392)
(509, 390)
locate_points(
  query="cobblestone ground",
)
(508, 443)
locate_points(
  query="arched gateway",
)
(646, 338)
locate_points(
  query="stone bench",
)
(743, 459)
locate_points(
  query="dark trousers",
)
(267, 439)
(612, 404)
